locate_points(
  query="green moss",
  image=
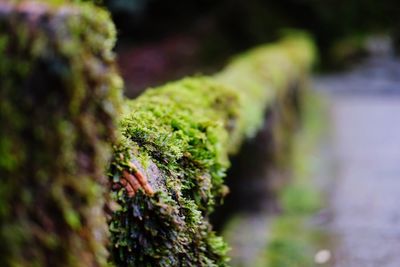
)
(181, 135)
(262, 76)
(158, 231)
(60, 94)
(183, 128)
(289, 238)
(291, 243)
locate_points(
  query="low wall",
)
(59, 99)
(61, 111)
(169, 167)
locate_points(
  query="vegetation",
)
(294, 238)
(280, 235)
(60, 96)
(181, 128)
(171, 152)
(169, 166)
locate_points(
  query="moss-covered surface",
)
(262, 77)
(59, 96)
(179, 136)
(288, 237)
(183, 129)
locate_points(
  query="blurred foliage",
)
(295, 238)
(291, 244)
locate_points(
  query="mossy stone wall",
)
(60, 95)
(60, 101)
(175, 147)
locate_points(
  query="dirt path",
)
(366, 198)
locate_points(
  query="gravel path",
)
(366, 197)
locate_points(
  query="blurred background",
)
(164, 40)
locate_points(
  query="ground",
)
(365, 198)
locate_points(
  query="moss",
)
(291, 243)
(180, 137)
(183, 128)
(262, 76)
(60, 94)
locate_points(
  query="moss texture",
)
(262, 77)
(59, 96)
(288, 237)
(182, 128)
(180, 137)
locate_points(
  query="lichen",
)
(60, 96)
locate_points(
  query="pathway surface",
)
(366, 197)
